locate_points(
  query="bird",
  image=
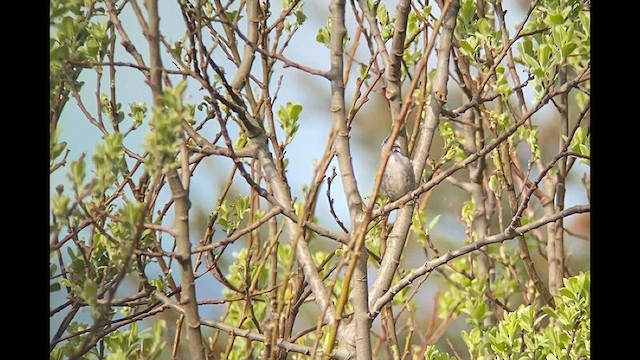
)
(398, 178)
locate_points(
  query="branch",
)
(208, 148)
(556, 262)
(392, 62)
(358, 261)
(375, 31)
(253, 8)
(449, 255)
(146, 225)
(251, 335)
(278, 56)
(62, 162)
(126, 41)
(398, 235)
(583, 76)
(330, 201)
(246, 333)
(392, 69)
(91, 64)
(113, 325)
(506, 166)
(180, 196)
(240, 233)
(281, 196)
(183, 255)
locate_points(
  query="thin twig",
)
(450, 255)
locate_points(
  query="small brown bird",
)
(398, 178)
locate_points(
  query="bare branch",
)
(358, 262)
(180, 196)
(450, 255)
(288, 346)
(398, 234)
(253, 7)
(126, 41)
(583, 76)
(93, 64)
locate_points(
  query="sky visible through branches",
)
(369, 128)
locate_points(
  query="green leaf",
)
(544, 54)
(530, 61)
(426, 11)
(468, 211)
(526, 46)
(177, 48)
(159, 283)
(558, 34)
(89, 294)
(295, 111)
(567, 49)
(288, 117)
(77, 174)
(299, 14)
(208, 9)
(383, 14)
(585, 21)
(467, 10)
(138, 111)
(166, 130)
(467, 47)
(65, 282)
(364, 73)
(556, 19)
(432, 353)
(232, 15)
(433, 222)
(108, 162)
(98, 41)
(580, 143)
(484, 27)
(242, 206)
(190, 112)
(93, 47)
(98, 30)
(567, 293)
(494, 183)
(321, 38)
(54, 287)
(132, 212)
(230, 216)
(55, 148)
(67, 29)
(60, 205)
(324, 34)
(412, 23)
